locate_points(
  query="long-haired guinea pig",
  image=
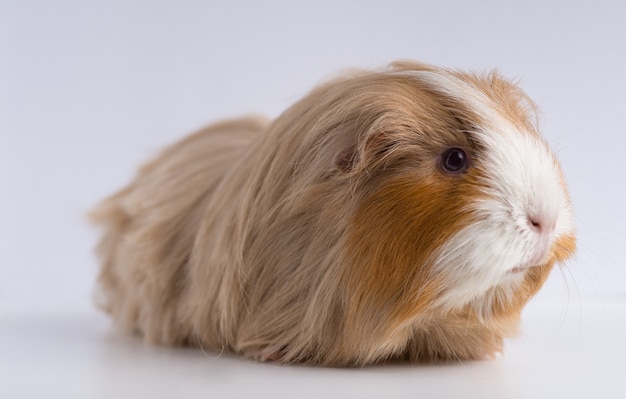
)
(408, 213)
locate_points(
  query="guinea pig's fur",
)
(333, 235)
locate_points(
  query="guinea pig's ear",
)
(353, 154)
(346, 158)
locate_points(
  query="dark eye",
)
(454, 161)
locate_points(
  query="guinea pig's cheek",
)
(474, 261)
(390, 248)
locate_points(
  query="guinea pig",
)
(407, 213)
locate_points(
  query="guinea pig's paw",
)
(492, 354)
(272, 354)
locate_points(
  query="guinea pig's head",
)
(459, 203)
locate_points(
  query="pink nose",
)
(542, 224)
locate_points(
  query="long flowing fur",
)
(295, 239)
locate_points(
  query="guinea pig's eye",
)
(454, 160)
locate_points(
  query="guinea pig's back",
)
(151, 224)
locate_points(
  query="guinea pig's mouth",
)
(519, 269)
(540, 256)
(535, 262)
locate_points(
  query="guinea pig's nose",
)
(542, 224)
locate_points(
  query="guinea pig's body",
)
(408, 213)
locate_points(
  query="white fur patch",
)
(523, 182)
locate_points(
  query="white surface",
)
(89, 90)
(565, 352)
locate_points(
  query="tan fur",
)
(296, 240)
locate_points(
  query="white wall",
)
(89, 90)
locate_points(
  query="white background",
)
(90, 90)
